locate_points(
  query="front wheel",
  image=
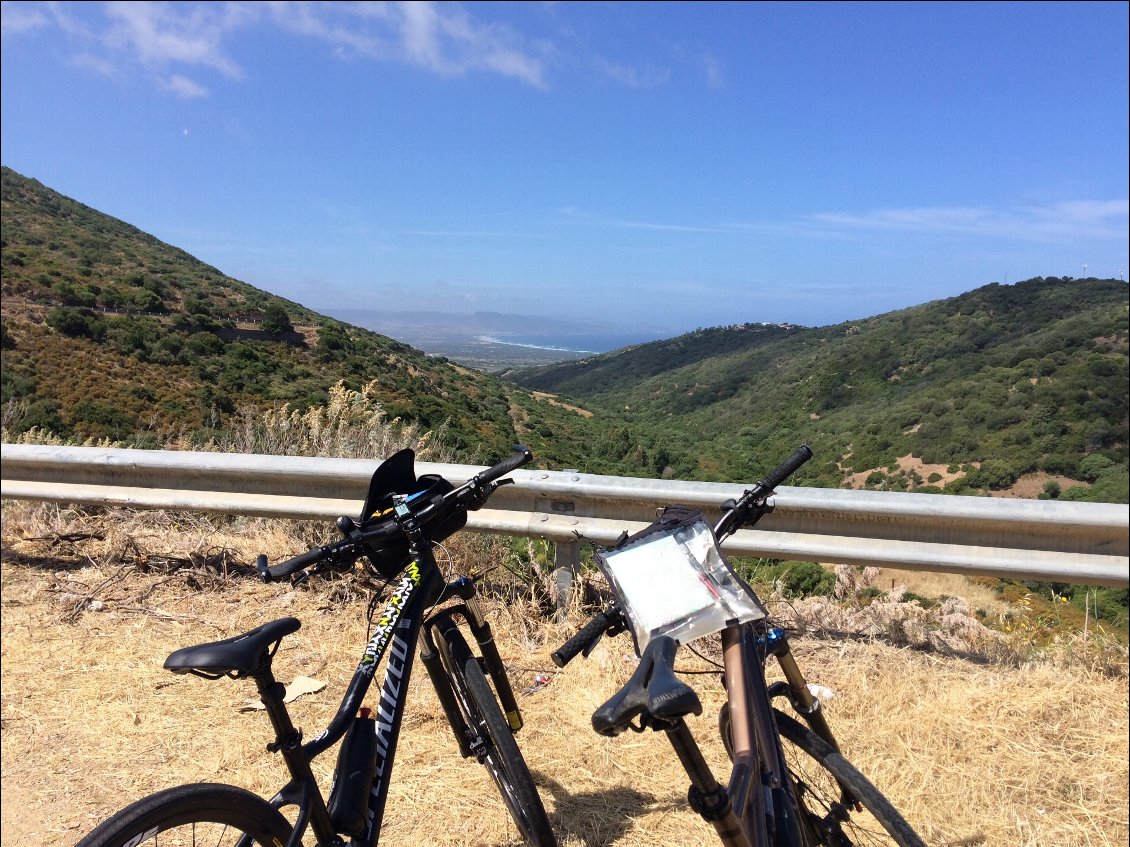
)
(820, 774)
(492, 741)
(194, 816)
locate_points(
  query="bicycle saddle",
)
(653, 693)
(241, 655)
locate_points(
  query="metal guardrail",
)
(1020, 539)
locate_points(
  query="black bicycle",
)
(403, 517)
(789, 784)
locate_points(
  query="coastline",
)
(489, 339)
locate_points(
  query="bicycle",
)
(402, 519)
(790, 786)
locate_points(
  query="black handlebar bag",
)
(396, 476)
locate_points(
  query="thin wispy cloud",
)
(439, 38)
(16, 18)
(185, 88)
(1104, 220)
(159, 34)
(1092, 219)
(630, 76)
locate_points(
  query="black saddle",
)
(242, 655)
(654, 694)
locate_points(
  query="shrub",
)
(276, 320)
(1093, 465)
(794, 580)
(75, 323)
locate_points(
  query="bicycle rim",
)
(198, 815)
(819, 775)
(495, 747)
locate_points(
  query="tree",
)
(275, 320)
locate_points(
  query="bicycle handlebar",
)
(521, 456)
(787, 468)
(750, 503)
(612, 620)
(470, 495)
(587, 636)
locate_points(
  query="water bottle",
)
(353, 776)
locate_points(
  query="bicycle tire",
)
(818, 772)
(209, 814)
(497, 750)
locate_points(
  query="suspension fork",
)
(435, 639)
(807, 705)
(796, 687)
(471, 611)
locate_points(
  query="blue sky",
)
(660, 164)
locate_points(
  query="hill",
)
(110, 333)
(988, 386)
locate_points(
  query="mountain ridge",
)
(109, 333)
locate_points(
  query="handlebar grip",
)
(585, 637)
(521, 456)
(303, 560)
(786, 469)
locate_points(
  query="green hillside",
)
(998, 383)
(110, 333)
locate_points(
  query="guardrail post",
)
(566, 566)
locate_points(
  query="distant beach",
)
(492, 340)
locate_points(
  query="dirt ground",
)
(973, 753)
(1027, 487)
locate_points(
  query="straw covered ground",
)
(973, 752)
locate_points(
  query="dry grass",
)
(973, 753)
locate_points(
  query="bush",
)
(794, 580)
(102, 420)
(994, 473)
(276, 320)
(75, 323)
(1092, 466)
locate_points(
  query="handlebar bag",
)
(396, 476)
(672, 579)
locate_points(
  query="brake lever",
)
(479, 494)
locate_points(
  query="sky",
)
(652, 165)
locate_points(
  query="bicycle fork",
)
(707, 796)
(760, 786)
(433, 646)
(804, 703)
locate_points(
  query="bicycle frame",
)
(760, 789)
(764, 803)
(757, 808)
(396, 635)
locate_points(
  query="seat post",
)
(272, 694)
